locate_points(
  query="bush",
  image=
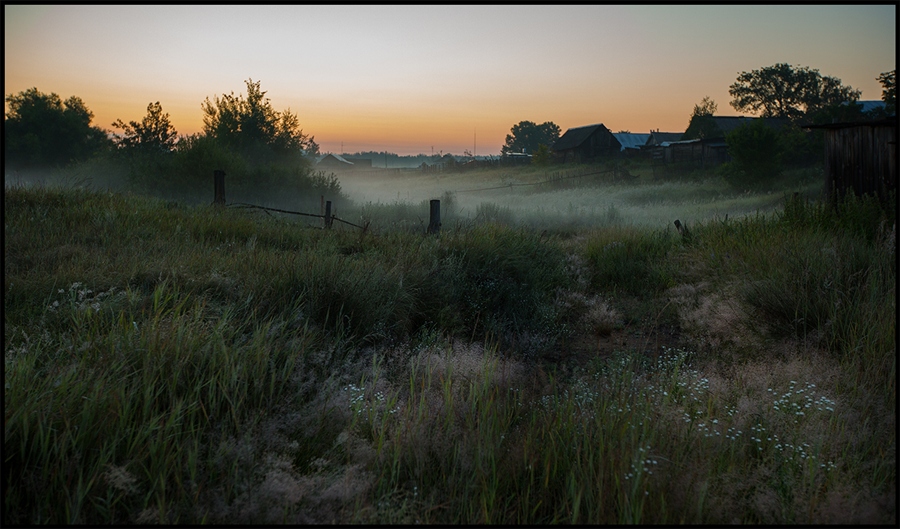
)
(756, 151)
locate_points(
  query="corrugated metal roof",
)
(630, 140)
(657, 138)
(576, 136)
(682, 142)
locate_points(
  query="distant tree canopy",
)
(253, 127)
(527, 136)
(154, 134)
(699, 126)
(786, 92)
(41, 130)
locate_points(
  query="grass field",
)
(557, 354)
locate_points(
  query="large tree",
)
(527, 136)
(252, 126)
(787, 92)
(154, 133)
(42, 130)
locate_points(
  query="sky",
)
(441, 79)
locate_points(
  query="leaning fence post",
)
(219, 187)
(328, 215)
(434, 224)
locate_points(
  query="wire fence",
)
(219, 190)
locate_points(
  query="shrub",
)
(756, 151)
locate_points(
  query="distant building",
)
(703, 143)
(711, 127)
(515, 158)
(359, 163)
(657, 137)
(584, 144)
(630, 143)
(334, 162)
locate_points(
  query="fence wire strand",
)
(333, 218)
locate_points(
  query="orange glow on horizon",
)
(408, 78)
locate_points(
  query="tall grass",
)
(173, 364)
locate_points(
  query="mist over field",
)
(537, 200)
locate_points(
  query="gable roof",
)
(630, 140)
(576, 136)
(335, 156)
(729, 123)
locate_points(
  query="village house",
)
(703, 143)
(332, 161)
(657, 138)
(584, 144)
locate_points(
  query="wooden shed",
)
(584, 144)
(860, 157)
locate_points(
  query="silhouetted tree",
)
(787, 92)
(888, 82)
(526, 136)
(700, 126)
(41, 130)
(154, 134)
(252, 126)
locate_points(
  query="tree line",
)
(264, 152)
(249, 137)
(797, 95)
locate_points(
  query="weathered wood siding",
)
(861, 159)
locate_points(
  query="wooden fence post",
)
(328, 215)
(219, 187)
(434, 224)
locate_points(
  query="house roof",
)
(576, 136)
(887, 122)
(729, 123)
(657, 137)
(680, 142)
(869, 104)
(629, 140)
(335, 156)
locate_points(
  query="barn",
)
(584, 144)
(860, 157)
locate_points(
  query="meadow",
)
(558, 353)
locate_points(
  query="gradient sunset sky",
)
(407, 79)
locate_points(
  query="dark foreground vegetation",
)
(167, 363)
